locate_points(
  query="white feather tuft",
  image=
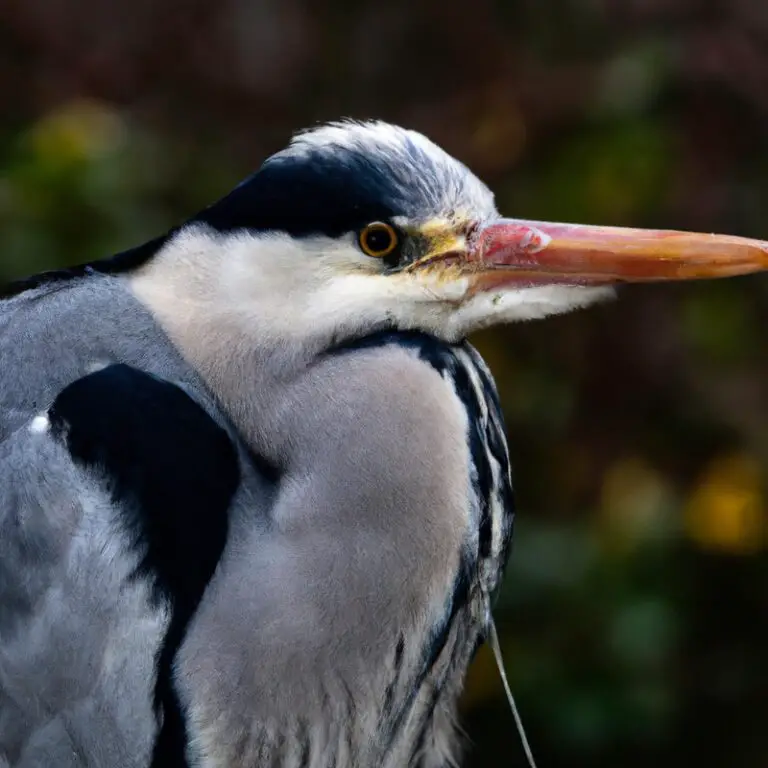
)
(39, 425)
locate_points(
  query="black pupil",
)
(378, 240)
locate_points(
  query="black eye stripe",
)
(312, 195)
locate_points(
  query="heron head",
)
(361, 226)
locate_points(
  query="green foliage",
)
(85, 181)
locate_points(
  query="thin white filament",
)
(496, 648)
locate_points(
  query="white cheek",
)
(269, 288)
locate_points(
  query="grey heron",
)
(255, 499)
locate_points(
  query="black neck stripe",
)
(173, 473)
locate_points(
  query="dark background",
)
(634, 619)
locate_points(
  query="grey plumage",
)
(314, 643)
(255, 497)
(285, 635)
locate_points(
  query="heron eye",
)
(378, 239)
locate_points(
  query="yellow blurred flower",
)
(76, 132)
(727, 511)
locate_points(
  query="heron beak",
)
(511, 252)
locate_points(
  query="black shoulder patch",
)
(174, 472)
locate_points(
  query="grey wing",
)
(96, 496)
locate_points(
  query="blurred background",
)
(634, 618)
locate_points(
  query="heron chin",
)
(255, 493)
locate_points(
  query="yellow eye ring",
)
(378, 239)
